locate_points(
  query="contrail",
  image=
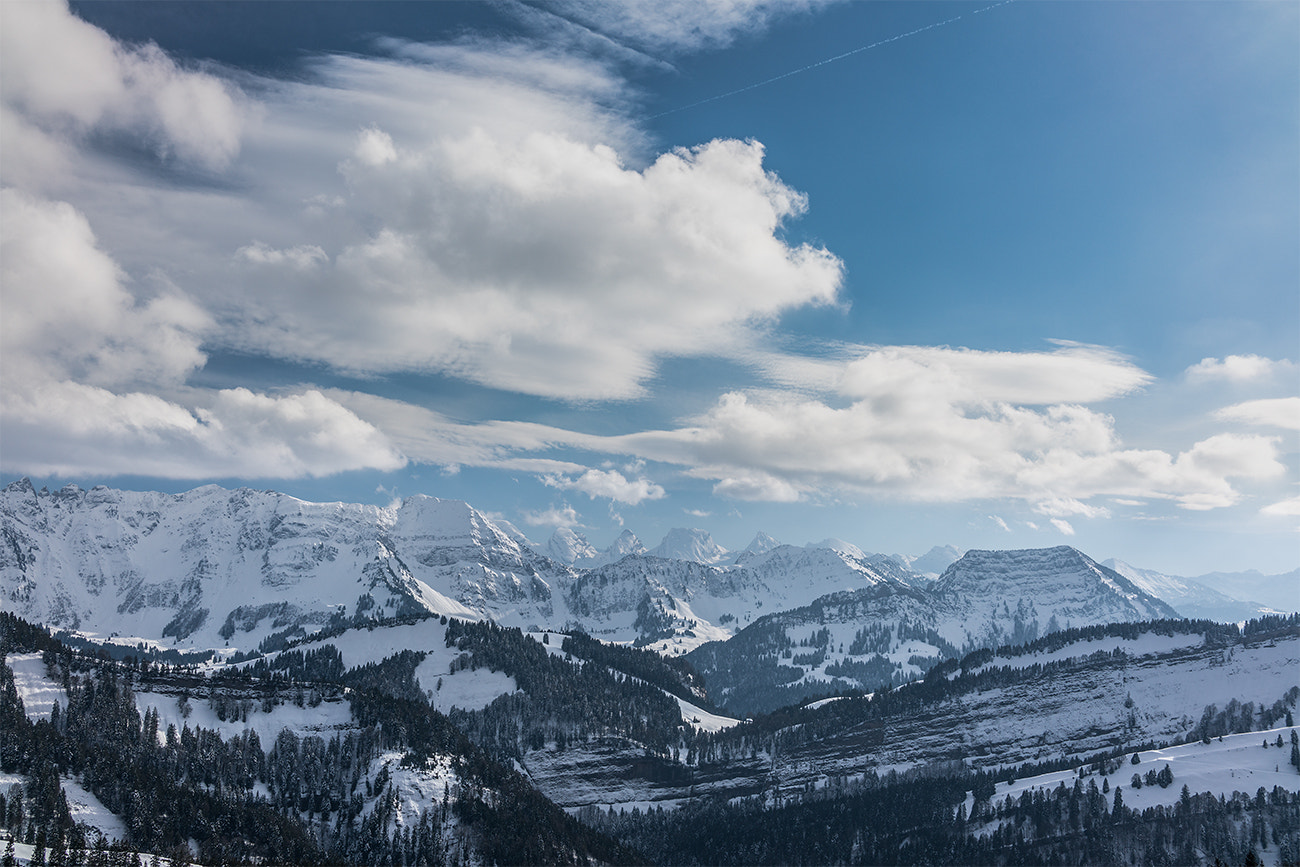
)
(803, 69)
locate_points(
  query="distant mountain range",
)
(217, 568)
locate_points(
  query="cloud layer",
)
(489, 211)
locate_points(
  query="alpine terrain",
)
(238, 675)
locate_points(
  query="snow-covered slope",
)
(1071, 701)
(1191, 598)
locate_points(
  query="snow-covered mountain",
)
(888, 629)
(694, 545)
(626, 545)
(1276, 591)
(932, 563)
(841, 546)
(212, 566)
(570, 548)
(215, 567)
(761, 545)
(1191, 598)
(1013, 596)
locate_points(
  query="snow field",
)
(85, 807)
(35, 687)
(1233, 763)
(323, 720)
(417, 789)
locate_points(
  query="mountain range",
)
(421, 683)
(243, 569)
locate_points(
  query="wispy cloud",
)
(1283, 412)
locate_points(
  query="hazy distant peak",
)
(697, 545)
(841, 546)
(934, 561)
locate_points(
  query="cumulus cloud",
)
(1236, 369)
(1283, 412)
(556, 516)
(610, 484)
(68, 312)
(305, 257)
(918, 428)
(94, 376)
(542, 265)
(1063, 526)
(61, 74)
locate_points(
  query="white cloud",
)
(916, 425)
(1283, 412)
(611, 484)
(1289, 508)
(71, 429)
(556, 516)
(68, 313)
(375, 148)
(1063, 526)
(62, 75)
(541, 264)
(429, 437)
(923, 436)
(1236, 369)
(94, 376)
(1001, 523)
(1074, 373)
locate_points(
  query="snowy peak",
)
(934, 561)
(570, 548)
(694, 545)
(761, 545)
(626, 545)
(1026, 593)
(841, 546)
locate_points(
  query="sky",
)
(990, 275)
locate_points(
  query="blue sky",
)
(1026, 276)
